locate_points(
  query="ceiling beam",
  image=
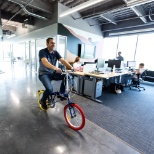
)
(37, 4)
(135, 5)
(108, 11)
(137, 2)
(108, 17)
(140, 12)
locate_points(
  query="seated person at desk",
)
(77, 65)
(140, 70)
(137, 72)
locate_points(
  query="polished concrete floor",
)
(25, 129)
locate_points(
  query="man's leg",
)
(58, 76)
(46, 80)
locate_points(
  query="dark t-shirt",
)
(52, 59)
(120, 58)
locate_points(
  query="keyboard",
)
(101, 73)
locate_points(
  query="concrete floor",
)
(25, 129)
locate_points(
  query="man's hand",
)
(58, 70)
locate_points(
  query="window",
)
(145, 50)
(127, 46)
(110, 47)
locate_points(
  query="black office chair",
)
(136, 82)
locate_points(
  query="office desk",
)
(88, 86)
(93, 85)
(107, 75)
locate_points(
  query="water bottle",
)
(113, 68)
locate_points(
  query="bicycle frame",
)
(73, 113)
(65, 94)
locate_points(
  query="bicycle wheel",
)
(74, 116)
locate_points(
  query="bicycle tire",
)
(73, 122)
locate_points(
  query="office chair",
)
(136, 82)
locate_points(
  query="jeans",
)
(46, 80)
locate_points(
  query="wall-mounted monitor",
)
(86, 51)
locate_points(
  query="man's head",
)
(50, 43)
(77, 59)
(141, 65)
(119, 53)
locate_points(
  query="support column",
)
(1, 32)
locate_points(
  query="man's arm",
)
(48, 65)
(64, 62)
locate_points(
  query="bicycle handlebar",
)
(65, 71)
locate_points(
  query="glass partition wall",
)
(26, 53)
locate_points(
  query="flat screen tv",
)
(87, 51)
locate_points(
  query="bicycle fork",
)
(71, 110)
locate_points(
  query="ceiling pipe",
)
(16, 14)
(32, 14)
(27, 12)
(150, 14)
(36, 4)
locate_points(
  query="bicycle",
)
(73, 113)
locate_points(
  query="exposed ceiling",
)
(108, 13)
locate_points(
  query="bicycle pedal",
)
(51, 105)
(62, 98)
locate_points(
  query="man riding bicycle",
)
(48, 70)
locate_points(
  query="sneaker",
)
(51, 104)
(43, 105)
(61, 96)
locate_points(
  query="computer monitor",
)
(117, 63)
(89, 68)
(100, 63)
(131, 63)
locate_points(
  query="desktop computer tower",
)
(91, 89)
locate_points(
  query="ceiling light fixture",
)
(131, 32)
(80, 7)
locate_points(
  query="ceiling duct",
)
(27, 12)
(32, 14)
